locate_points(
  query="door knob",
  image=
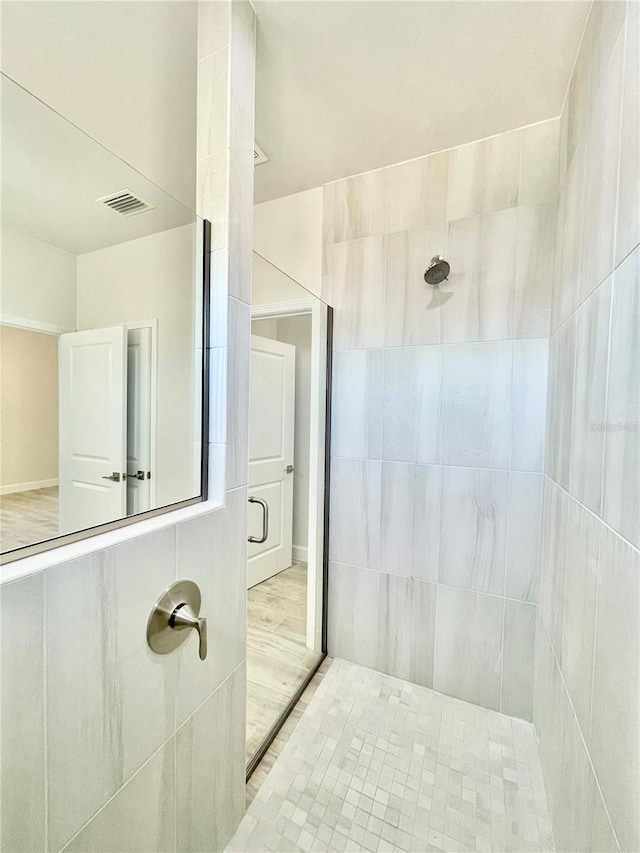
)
(115, 477)
(175, 612)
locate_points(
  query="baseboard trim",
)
(28, 487)
(300, 553)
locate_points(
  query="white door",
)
(139, 421)
(92, 427)
(271, 433)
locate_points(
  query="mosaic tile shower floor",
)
(379, 764)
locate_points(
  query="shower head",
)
(437, 271)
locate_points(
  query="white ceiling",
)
(52, 174)
(122, 70)
(344, 87)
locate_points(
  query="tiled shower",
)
(485, 459)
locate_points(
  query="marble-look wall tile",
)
(566, 288)
(240, 200)
(539, 163)
(141, 816)
(476, 404)
(622, 440)
(360, 206)
(219, 303)
(589, 398)
(355, 512)
(482, 254)
(213, 26)
(97, 736)
(22, 710)
(552, 567)
(238, 393)
(212, 195)
(582, 548)
(242, 40)
(535, 261)
(628, 222)
(211, 551)
(406, 622)
(356, 409)
(213, 82)
(483, 176)
(603, 146)
(217, 396)
(210, 769)
(412, 313)
(355, 289)
(417, 192)
(562, 356)
(524, 538)
(410, 520)
(328, 235)
(352, 614)
(468, 646)
(615, 735)
(529, 404)
(519, 649)
(473, 534)
(412, 404)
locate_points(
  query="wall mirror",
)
(101, 314)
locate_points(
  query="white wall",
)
(297, 331)
(38, 282)
(288, 232)
(152, 279)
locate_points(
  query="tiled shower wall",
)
(587, 686)
(439, 414)
(105, 745)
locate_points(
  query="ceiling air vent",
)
(125, 203)
(258, 155)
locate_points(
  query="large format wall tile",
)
(628, 223)
(483, 176)
(622, 441)
(355, 512)
(22, 710)
(410, 520)
(412, 313)
(352, 614)
(529, 404)
(141, 816)
(238, 393)
(535, 264)
(212, 552)
(355, 289)
(519, 649)
(406, 622)
(566, 288)
(412, 403)
(102, 674)
(524, 540)
(473, 535)
(476, 405)
(589, 397)
(482, 254)
(468, 650)
(562, 356)
(356, 409)
(539, 162)
(554, 547)
(417, 192)
(210, 774)
(615, 736)
(360, 206)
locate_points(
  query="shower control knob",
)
(175, 613)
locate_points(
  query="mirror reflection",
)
(286, 495)
(99, 333)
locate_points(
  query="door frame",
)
(318, 452)
(130, 325)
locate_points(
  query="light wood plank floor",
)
(277, 657)
(28, 517)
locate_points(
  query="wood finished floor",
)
(277, 657)
(28, 517)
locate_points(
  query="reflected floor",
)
(28, 517)
(376, 763)
(277, 657)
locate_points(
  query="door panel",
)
(138, 420)
(271, 439)
(92, 419)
